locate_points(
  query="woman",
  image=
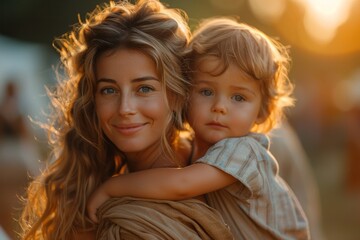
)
(119, 109)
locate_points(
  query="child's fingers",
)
(95, 201)
(91, 211)
(93, 217)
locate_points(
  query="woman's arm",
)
(162, 183)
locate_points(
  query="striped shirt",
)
(260, 205)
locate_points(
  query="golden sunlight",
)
(227, 5)
(323, 17)
(346, 94)
(268, 10)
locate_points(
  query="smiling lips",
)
(129, 129)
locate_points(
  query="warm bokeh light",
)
(346, 94)
(323, 17)
(323, 27)
(268, 10)
(227, 4)
(321, 20)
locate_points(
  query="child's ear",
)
(261, 117)
(259, 120)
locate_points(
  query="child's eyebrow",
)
(234, 87)
(203, 81)
(245, 89)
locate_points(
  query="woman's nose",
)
(126, 105)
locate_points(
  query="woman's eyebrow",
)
(145, 78)
(140, 79)
(107, 80)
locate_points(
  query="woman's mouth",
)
(129, 129)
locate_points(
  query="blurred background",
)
(318, 148)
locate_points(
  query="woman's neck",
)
(154, 157)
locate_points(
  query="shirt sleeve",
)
(238, 157)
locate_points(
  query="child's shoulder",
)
(260, 138)
(251, 140)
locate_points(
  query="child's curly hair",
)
(260, 57)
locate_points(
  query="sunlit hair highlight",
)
(55, 207)
(260, 57)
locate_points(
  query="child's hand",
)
(96, 199)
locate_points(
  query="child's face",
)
(222, 106)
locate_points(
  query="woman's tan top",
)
(260, 205)
(129, 218)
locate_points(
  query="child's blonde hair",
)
(260, 58)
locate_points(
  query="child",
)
(240, 88)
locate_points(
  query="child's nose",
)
(219, 106)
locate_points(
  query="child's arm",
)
(162, 183)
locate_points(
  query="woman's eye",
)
(107, 91)
(145, 89)
(238, 98)
(206, 92)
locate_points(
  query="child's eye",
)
(206, 92)
(145, 89)
(238, 98)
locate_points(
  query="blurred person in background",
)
(12, 122)
(351, 90)
(295, 169)
(353, 150)
(18, 156)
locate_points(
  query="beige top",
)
(260, 205)
(144, 219)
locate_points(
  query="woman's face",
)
(130, 101)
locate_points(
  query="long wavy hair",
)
(259, 56)
(82, 157)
